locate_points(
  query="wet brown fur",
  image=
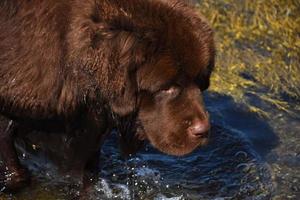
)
(87, 66)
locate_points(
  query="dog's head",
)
(166, 92)
(164, 86)
(171, 108)
(156, 63)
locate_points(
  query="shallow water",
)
(232, 166)
(254, 151)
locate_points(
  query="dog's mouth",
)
(182, 149)
(176, 148)
(177, 143)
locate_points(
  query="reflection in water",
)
(238, 117)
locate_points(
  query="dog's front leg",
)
(12, 175)
(97, 127)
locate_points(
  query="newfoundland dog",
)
(82, 68)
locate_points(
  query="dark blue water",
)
(232, 166)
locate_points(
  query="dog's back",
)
(31, 56)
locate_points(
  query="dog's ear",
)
(126, 57)
(124, 101)
(203, 78)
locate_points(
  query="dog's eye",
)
(170, 91)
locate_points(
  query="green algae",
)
(258, 50)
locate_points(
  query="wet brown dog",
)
(84, 67)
